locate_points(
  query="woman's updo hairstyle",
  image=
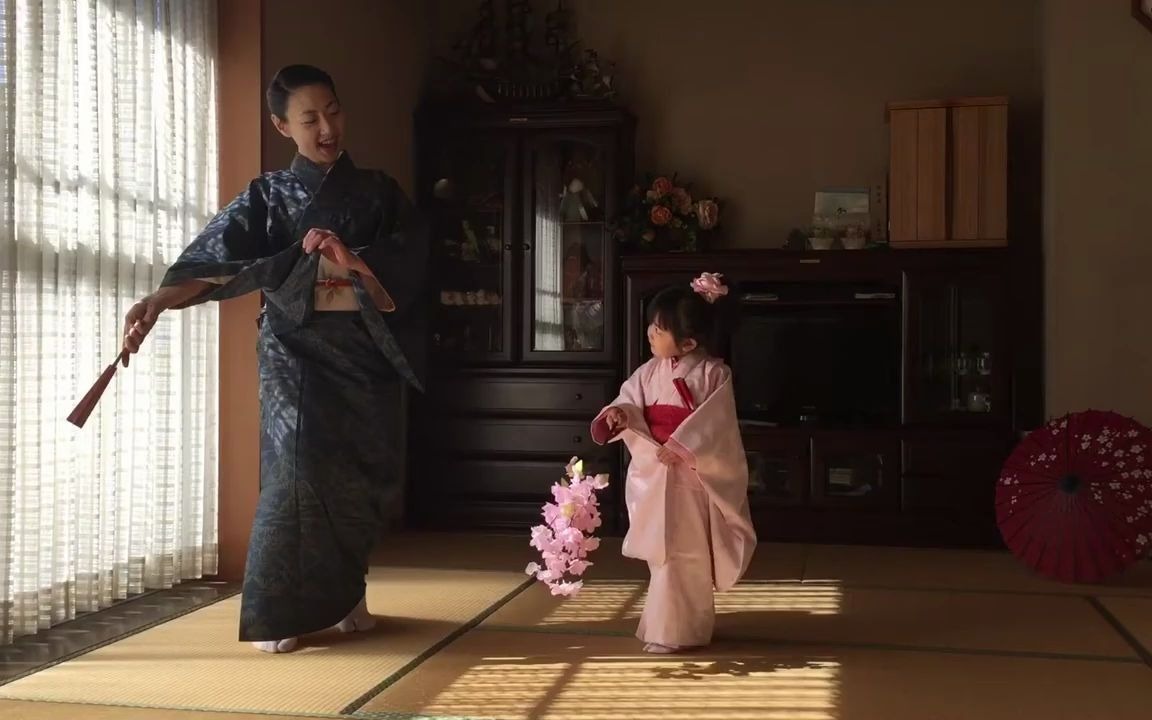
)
(292, 78)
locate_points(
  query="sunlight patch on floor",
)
(605, 602)
(574, 687)
(823, 599)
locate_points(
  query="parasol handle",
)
(87, 404)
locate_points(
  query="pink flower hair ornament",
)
(566, 537)
(710, 286)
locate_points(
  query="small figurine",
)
(492, 241)
(577, 202)
(572, 202)
(470, 247)
(588, 80)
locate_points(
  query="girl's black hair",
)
(292, 78)
(685, 313)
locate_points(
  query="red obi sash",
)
(664, 419)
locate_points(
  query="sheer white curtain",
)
(548, 315)
(108, 168)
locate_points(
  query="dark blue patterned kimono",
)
(329, 381)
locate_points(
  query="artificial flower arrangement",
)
(566, 537)
(662, 215)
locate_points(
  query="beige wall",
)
(765, 101)
(240, 118)
(1097, 173)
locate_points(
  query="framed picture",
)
(1142, 11)
(845, 212)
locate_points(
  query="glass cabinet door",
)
(569, 196)
(470, 181)
(956, 348)
(777, 466)
(856, 470)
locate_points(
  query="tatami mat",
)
(953, 570)
(30, 710)
(864, 566)
(1135, 616)
(511, 676)
(195, 662)
(828, 613)
(771, 561)
(818, 633)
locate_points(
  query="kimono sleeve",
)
(631, 401)
(399, 256)
(711, 434)
(235, 251)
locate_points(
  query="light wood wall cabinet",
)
(948, 173)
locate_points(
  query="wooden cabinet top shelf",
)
(947, 103)
(855, 264)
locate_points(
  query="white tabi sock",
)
(276, 646)
(359, 620)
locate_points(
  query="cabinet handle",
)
(527, 247)
(508, 247)
(577, 439)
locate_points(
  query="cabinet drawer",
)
(954, 474)
(529, 480)
(477, 494)
(583, 396)
(460, 516)
(561, 438)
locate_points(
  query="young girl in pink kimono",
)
(687, 487)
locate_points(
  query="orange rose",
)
(682, 201)
(660, 215)
(662, 186)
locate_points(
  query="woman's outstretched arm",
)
(142, 316)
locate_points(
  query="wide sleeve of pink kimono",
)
(631, 401)
(645, 488)
(709, 442)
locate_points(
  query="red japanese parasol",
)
(1074, 501)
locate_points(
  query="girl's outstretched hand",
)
(616, 418)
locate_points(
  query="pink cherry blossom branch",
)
(566, 537)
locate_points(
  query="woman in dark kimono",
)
(341, 258)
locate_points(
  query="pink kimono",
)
(690, 521)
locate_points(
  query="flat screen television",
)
(825, 355)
